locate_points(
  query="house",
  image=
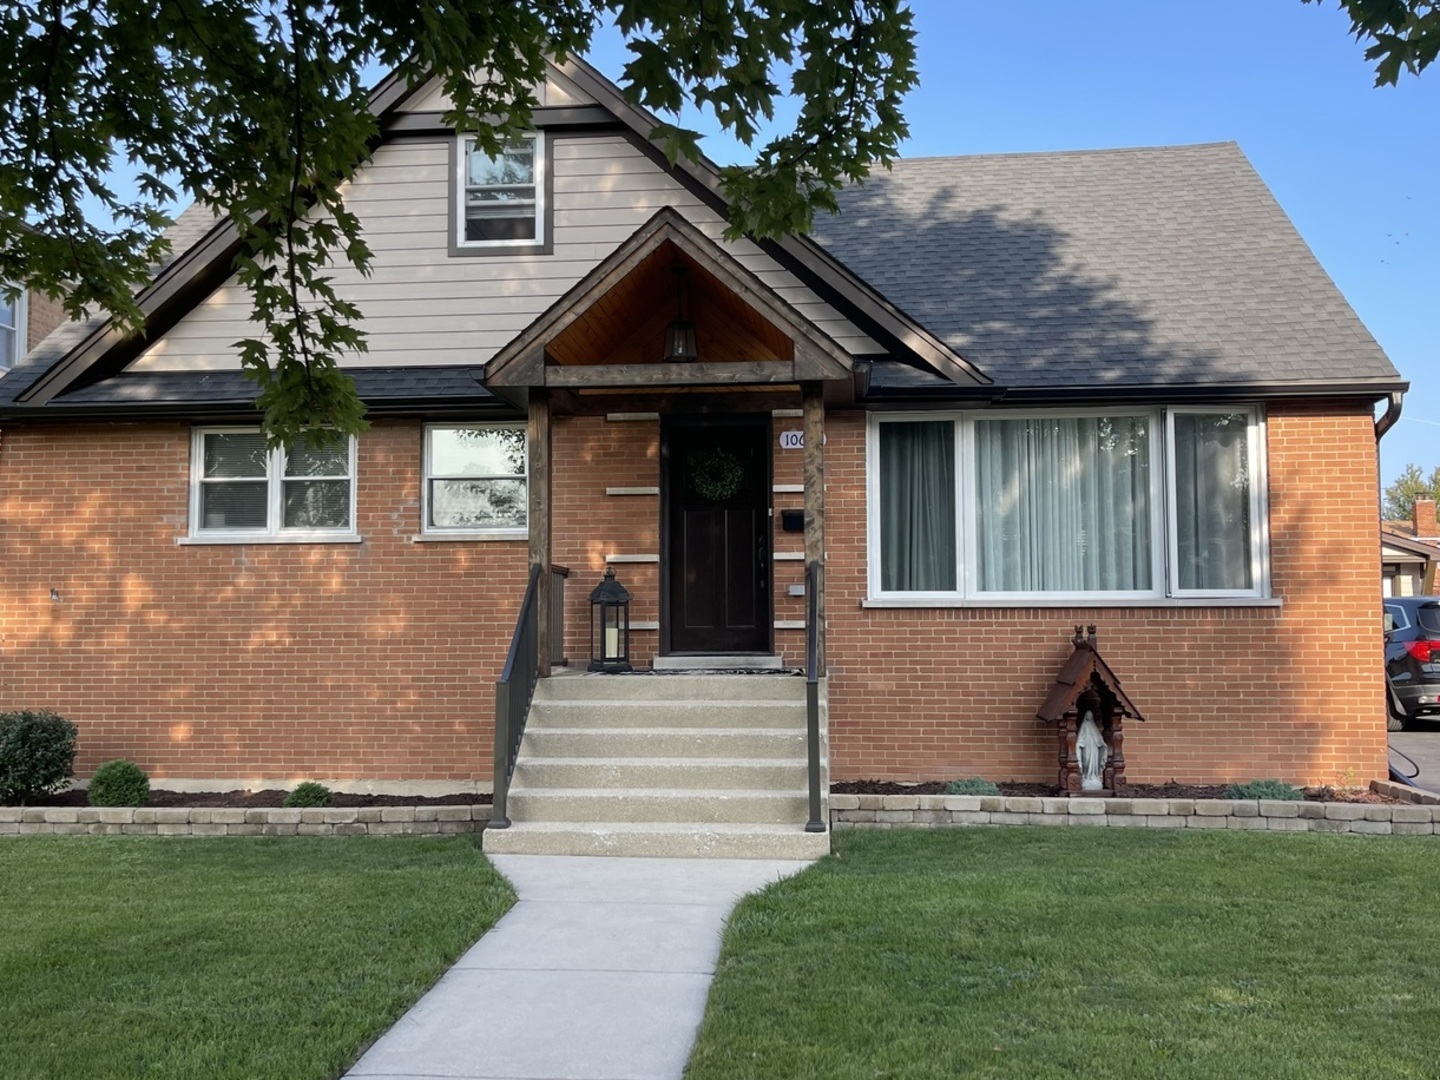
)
(25, 320)
(1410, 552)
(994, 398)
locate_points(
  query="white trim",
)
(789, 624)
(644, 624)
(1090, 600)
(469, 532)
(630, 417)
(789, 556)
(539, 181)
(20, 329)
(788, 489)
(632, 558)
(309, 537)
(632, 491)
(274, 530)
(1163, 542)
(472, 537)
(787, 414)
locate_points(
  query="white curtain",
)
(1212, 500)
(1063, 504)
(917, 506)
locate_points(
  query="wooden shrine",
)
(1089, 708)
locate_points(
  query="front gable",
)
(609, 329)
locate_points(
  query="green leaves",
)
(1399, 498)
(256, 109)
(1405, 34)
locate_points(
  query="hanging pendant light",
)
(680, 334)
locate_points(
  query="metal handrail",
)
(813, 572)
(513, 692)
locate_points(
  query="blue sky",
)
(1354, 166)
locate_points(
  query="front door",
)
(717, 529)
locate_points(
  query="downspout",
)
(1391, 414)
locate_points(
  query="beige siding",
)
(424, 306)
(557, 90)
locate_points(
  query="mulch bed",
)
(273, 797)
(1133, 791)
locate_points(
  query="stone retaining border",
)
(948, 811)
(239, 821)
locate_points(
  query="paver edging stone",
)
(1276, 815)
(242, 821)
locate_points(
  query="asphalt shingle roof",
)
(1157, 266)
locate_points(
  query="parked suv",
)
(1412, 657)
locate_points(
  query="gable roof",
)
(521, 361)
(1160, 267)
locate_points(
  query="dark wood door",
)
(717, 477)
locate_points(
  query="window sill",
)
(493, 534)
(1080, 602)
(241, 538)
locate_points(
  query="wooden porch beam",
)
(814, 409)
(643, 376)
(538, 440)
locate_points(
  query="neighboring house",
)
(1410, 552)
(1054, 389)
(25, 320)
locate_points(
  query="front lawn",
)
(134, 957)
(1061, 953)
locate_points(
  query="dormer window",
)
(501, 200)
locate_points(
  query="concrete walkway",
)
(599, 972)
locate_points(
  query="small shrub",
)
(1264, 789)
(119, 783)
(308, 794)
(37, 755)
(971, 785)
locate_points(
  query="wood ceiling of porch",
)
(626, 326)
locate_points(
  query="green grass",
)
(136, 957)
(1061, 953)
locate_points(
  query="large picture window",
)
(476, 480)
(501, 197)
(241, 488)
(1115, 504)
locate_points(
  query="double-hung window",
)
(476, 480)
(1108, 504)
(240, 488)
(12, 328)
(500, 201)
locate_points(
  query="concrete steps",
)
(682, 765)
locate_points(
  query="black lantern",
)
(680, 333)
(610, 625)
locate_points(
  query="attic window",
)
(501, 198)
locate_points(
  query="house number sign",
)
(795, 440)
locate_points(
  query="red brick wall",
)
(1232, 693)
(370, 661)
(377, 660)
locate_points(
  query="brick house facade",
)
(369, 656)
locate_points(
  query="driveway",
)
(1422, 744)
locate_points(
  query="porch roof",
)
(607, 329)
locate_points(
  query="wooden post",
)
(814, 402)
(538, 440)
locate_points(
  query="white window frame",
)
(1164, 542)
(450, 532)
(274, 530)
(1259, 508)
(19, 329)
(465, 140)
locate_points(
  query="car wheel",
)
(1394, 722)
